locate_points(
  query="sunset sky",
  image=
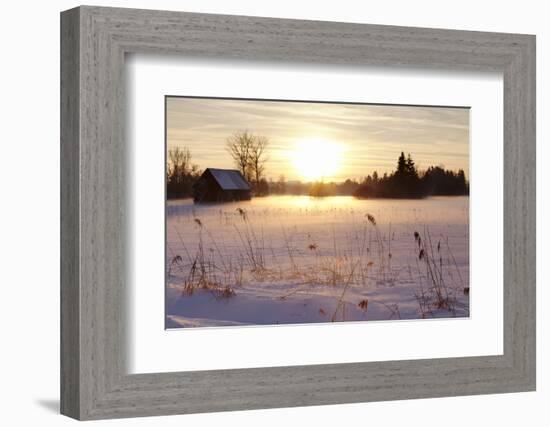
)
(311, 141)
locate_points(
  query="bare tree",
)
(257, 158)
(181, 173)
(249, 155)
(239, 147)
(179, 161)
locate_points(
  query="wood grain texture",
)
(70, 297)
(94, 231)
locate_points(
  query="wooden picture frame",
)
(94, 382)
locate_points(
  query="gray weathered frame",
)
(94, 41)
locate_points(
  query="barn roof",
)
(229, 179)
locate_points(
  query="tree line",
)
(407, 182)
(249, 155)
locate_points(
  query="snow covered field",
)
(296, 259)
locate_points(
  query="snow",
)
(229, 179)
(296, 259)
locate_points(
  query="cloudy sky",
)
(350, 140)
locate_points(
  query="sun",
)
(316, 159)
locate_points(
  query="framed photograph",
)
(315, 214)
(347, 210)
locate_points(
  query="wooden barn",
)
(221, 185)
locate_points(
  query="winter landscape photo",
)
(293, 212)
